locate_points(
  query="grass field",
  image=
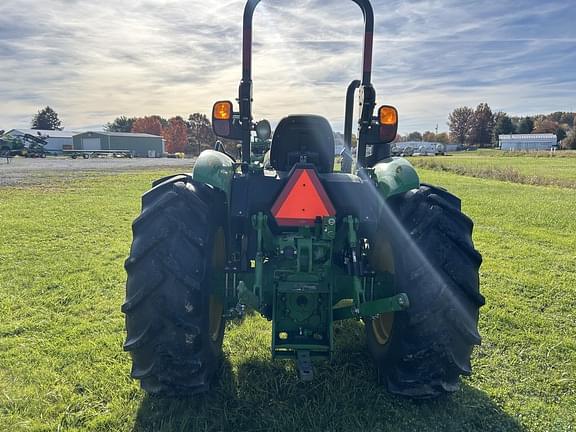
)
(61, 331)
(535, 168)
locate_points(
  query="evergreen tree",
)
(502, 126)
(46, 119)
(526, 125)
(121, 124)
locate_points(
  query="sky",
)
(94, 61)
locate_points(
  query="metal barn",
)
(140, 144)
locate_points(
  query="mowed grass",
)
(62, 366)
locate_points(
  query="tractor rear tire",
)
(174, 320)
(421, 352)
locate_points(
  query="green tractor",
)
(10, 146)
(304, 246)
(26, 145)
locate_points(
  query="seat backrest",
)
(303, 138)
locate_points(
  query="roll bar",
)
(368, 39)
(245, 90)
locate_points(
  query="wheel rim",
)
(382, 328)
(218, 263)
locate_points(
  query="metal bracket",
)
(373, 308)
(304, 364)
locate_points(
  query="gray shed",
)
(140, 144)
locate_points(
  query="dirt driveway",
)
(21, 171)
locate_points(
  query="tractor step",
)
(304, 364)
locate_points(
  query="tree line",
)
(481, 127)
(190, 136)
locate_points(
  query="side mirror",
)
(263, 130)
(222, 118)
(388, 121)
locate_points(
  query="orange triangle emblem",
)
(302, 200)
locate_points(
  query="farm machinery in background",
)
(26, 145)
(417, 148)
(305, 246)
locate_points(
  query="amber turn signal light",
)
(222, 110)
(387, 115)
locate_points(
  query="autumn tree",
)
(543, 125)
(176, 135)
(120, 124)
(200, 133)
(46, 119)
(151, 125)
(460, 122)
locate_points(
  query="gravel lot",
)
(24, 172)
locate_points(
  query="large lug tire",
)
(174, 319)
(423, 351)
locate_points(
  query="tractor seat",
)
(303, 138)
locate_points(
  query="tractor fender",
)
(216, 169)
(395, 176)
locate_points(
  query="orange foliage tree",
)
(176, 135)
(151, 125)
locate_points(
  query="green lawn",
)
(61, 331)
(560, 167)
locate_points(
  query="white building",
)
(57, 140)
(527, 142)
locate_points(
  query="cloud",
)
(93, 62)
